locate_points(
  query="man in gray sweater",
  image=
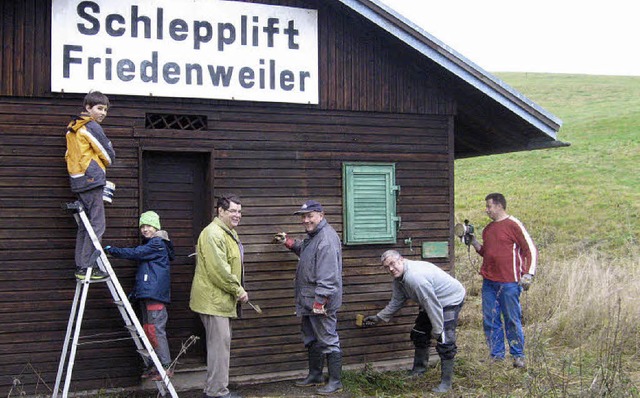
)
(440, 297)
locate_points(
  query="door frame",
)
(207, 214)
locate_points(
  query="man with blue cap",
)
(318, 294)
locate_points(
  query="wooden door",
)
(175, 185)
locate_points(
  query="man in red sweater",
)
(509, 259)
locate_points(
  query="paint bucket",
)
(108, 191)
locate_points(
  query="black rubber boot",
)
(420, 362)
(445, 378)
(334, 363)
(316, 363)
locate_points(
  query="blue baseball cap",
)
(309, 206)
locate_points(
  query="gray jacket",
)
(430, 287)
(319, 272)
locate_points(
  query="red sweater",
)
(507, 252)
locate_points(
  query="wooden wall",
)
(25, 27)
(361, 69)
(375, 107)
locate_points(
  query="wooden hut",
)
(342, 101)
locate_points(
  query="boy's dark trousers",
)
(94, 208)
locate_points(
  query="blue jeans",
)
(502, 300)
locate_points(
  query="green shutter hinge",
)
(395, 188)
(398, 221)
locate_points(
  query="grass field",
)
(581, 204)
(575, 198)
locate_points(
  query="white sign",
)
(185, 48)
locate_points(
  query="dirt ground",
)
(278, 389)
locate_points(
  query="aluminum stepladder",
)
(132, 324)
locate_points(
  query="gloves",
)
(370, 321)
(525, 281)
(318, 307)
(107, 249)
(280, 237)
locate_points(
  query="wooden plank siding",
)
(375, 106)
(264, 159)
(360, 68)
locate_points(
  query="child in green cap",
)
(153, 285)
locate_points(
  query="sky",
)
(594, 37)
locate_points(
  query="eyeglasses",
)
(390, 264)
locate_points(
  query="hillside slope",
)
(586, 196)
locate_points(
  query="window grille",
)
(175, 122)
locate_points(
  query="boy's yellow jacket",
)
(89, 152)
(217, 282)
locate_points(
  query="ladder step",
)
(77, 206)
(132, 329)
(107, 279)
(144, 352)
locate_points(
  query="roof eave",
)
(533, 146)
(428, 45)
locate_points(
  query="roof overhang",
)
(532, 127)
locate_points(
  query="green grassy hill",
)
(581, 205)
(586, 196)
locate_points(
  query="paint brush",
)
(256, 307)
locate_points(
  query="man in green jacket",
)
(216, 289)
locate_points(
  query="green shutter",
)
(369, 203)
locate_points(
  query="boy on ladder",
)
(88, 154)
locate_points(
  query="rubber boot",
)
(420, 362)
(334, 363)
(445, 378)
(316, 363)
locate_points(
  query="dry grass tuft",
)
(579, 300)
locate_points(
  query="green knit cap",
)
(150, 218)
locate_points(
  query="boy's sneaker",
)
(149, 372)
(96, 274)
(156, 376)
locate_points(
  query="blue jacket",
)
(153, 279)
(319, 271)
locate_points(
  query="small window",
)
(175, 122)
(369, 202)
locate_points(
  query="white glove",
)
(525, 281)
(280, 237)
